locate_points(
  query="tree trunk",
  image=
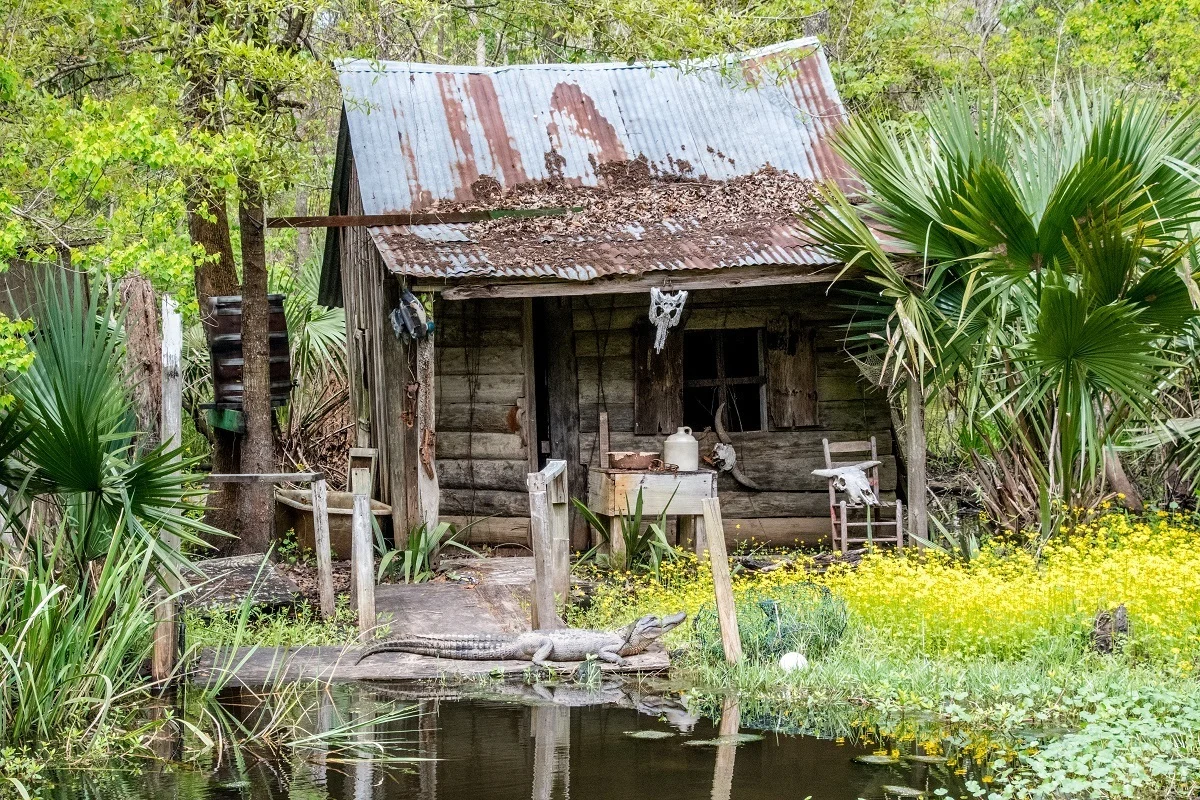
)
(258, 444)
(918, 512)
(143, 356)
(1119, 481)
(208, 224)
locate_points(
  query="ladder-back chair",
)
(851, 453)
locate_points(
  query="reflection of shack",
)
(537, 206)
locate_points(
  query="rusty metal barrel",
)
(225, 317)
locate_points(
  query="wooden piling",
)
(363, 553)
(320, 510)
(731, 640)
(550, 534)
(166, 631)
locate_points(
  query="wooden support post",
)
(166, 632)
(551, 751)
(731, 724)
(363, 458)
(687, 531)
(363, 554)
(616, 542)
(428, 492)
(550, 533)
(320, 510)
(914, 461)
(604, 445)
(731, 640)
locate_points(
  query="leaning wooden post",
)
(320, 511)
(560, 531)
(722, 581)
(549, 529)
(362, 553)
(166, 633)
(914, 460)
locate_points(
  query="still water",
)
(534, 744)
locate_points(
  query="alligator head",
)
(650, 628)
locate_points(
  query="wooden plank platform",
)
(268, 665)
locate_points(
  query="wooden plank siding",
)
(484, 441)
(794, 505)
(378, 363)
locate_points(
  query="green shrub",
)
(804, 618)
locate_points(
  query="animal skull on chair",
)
(665, 312)
(853, 480)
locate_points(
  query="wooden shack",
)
(532, 209)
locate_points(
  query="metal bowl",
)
(628, 460)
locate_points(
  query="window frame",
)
(722, 382)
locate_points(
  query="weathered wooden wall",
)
(484, 444)
(485, 399)
(379, 366)
(795, 503)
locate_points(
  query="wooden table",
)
(613, 493)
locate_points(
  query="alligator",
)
(566, 644)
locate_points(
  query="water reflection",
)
(518, 742)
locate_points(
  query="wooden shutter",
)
(791, 374)
(657, 381)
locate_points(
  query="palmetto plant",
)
(1041, 267)
(72, 436)
(84, 511)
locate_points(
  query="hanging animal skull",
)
(852, 480)
(665, 312)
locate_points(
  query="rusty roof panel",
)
(586, 258)
(422, 134)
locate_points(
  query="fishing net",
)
(805, 618)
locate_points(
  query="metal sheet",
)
(424, 133)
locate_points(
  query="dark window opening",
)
(723, 365)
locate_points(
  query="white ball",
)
(791, 662)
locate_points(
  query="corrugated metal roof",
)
(422, 134)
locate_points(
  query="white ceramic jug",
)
(682, 450)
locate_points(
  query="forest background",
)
(152, 137)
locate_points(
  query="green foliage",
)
(78, 440)
(72, 653)
(645, 547)
(804, 618)
(1041, 268)
(414, 562)
(269, 628)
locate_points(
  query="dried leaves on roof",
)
(632, 197)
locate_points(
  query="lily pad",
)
(876, 760)
(919, 758)
(737, 738)
(649, 734)
(902, 791)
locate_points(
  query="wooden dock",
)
(270, 665)
(489, 595)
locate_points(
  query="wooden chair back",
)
(851, 453)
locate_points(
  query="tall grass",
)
(72, 654)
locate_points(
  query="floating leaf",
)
(919, 758)
(737, 738)
(876, 760)
(902, 791)
(649, 734)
